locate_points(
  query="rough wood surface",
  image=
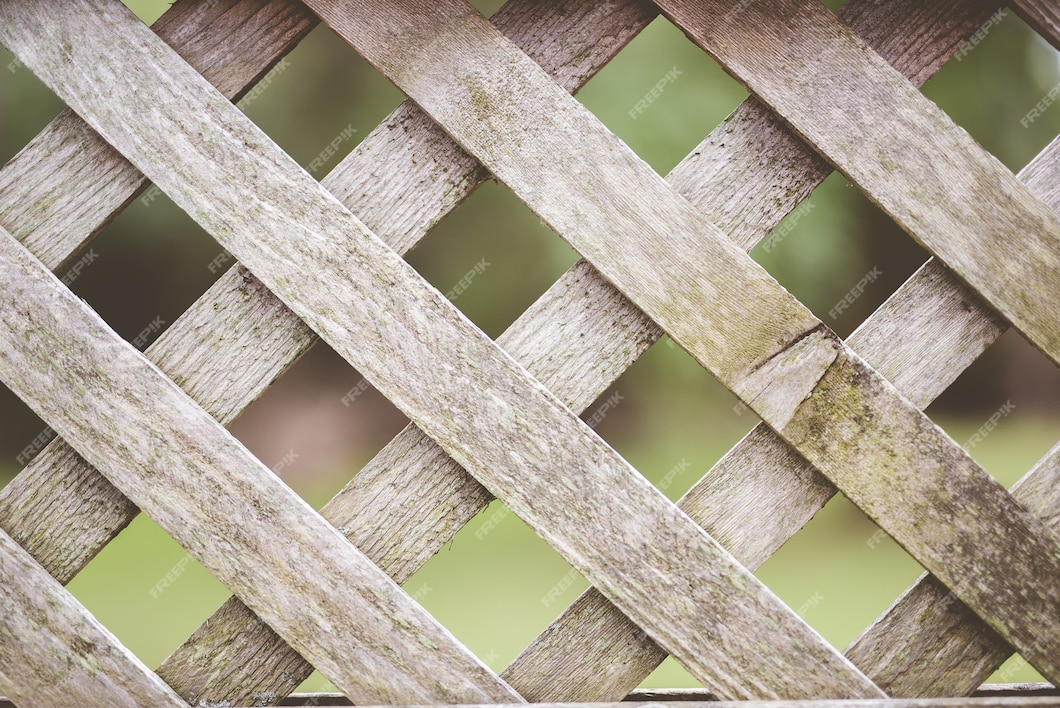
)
(419, 350)
(1043, 16)
(753, 193)
(53, 652)
(820, 396)
(224, 506)
(238, 336)
(67, 183)
(60, 191)
(929, 631)
(901, 149)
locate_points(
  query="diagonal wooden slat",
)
(1043, 16)
(227, 373)
(403, 487)
(762, 492)
(413, 345)
(928, 630)
(67, 183)
(821, 397)
(53, 652)
(223, 505)
(901, 149)
(755, 212)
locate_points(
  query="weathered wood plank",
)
(1043, 16)
(752, 211)
(900, 148)
(393, 154)
(63, 511)
(929, 626)
(819, 395)
(67, 183)
(223, 505)
(54, 652)
(419, 350)
(412, 498)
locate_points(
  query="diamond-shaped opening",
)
(1013, 70)
(496, 586)
(147, 590)
(320, 101)
(145, 268)
(839, 254)
(839, 572)
(492, 257)
(662, 94)
(1004, 409)
(318, 424)
(669, 417)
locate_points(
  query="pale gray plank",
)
(237, 337)
(819, 395)
(67, 183)
(410, 341)
(901, 149)
(54, 652)
(231, 513)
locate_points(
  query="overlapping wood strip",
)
(53, 652)
(901, 149)
(431, 498)
(821, 397)
(67, 183)
(223, 505)
(761, 493)
(929, 631)
(850, 5)
(413, 345)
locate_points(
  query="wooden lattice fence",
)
(146, 432)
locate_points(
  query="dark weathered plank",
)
(1043, 16)
(901, 149)
(53, 652)
(605, 518)
(727, 313)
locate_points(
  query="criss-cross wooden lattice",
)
(145, 432)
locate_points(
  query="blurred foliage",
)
(154, 261)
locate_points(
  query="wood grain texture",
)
(762, 492)
(63, 187)
(53, 652)
(901, 149)
(224, 506)
(237, 337)
(753, 192)
(413, 345)
(820, 396)
(412, 498)
(1043, 16)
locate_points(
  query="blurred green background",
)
(489, 586)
